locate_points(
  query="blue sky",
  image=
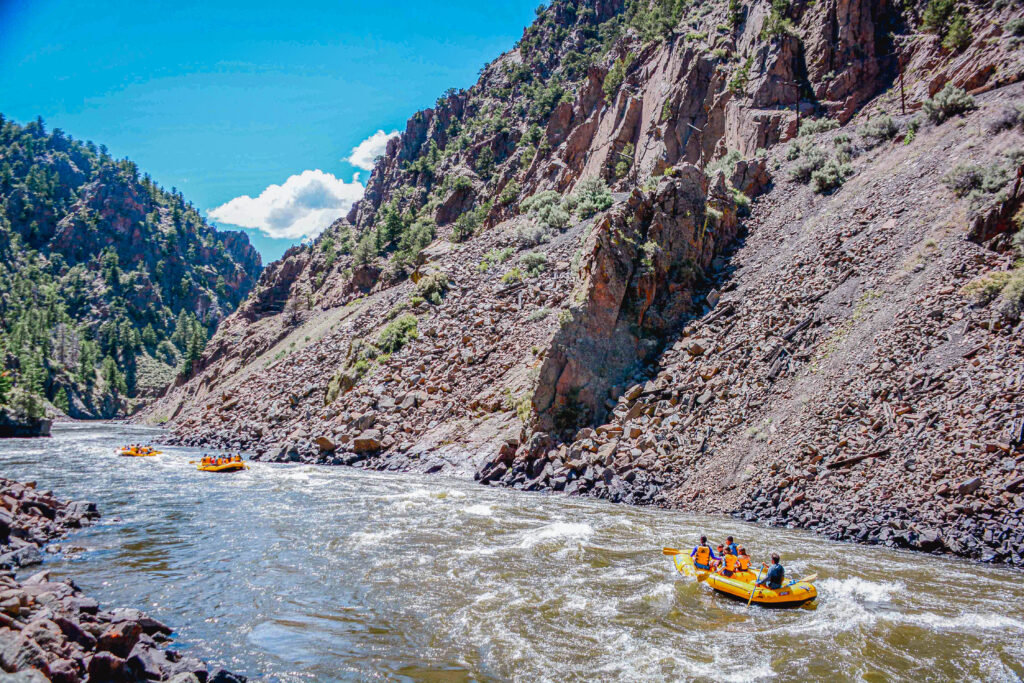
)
(225, 99)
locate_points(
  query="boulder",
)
(369, 440)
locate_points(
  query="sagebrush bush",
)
(432, 286)
(949, 102)
(591, 195)
(493, 258)
(397, 333)
(813, 126)
(878, 129)
(832, 174)
(726, 164)
(809, 158)
(533, 263)
(513, 275)
(1009, 117)
(546, 208)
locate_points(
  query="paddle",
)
(672, 551)
(806, 579)
(751, 598)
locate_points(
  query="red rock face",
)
(665, 341)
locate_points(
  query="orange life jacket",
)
(703, 555)
(744, 562)
(730, 562)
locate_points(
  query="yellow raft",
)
(226, 467)
(740, 584)
(137, 453)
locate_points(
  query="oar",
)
(806, 579)
(751, 598)
(672, 551)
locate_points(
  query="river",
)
(304, 573)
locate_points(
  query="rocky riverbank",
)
(50, 631)
(15, 426)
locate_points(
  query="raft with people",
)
(729, 573)
(137, 451)
(217, 464)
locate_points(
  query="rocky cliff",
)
(110, 284)
(744, 257)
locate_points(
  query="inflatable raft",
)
(226, 467)
(143, 453)
(792, 594)
(740, 584)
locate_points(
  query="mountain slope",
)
(109, 283)
(607, 267)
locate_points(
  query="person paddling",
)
(776, 574)
(702, 555)
(730, 545)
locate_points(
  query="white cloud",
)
(302, 207)
(364, 154)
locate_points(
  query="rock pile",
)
(50, 631)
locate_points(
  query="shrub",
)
(533, 263)
(947, 103)
(832, 174)
(539, 314)
(509, 193)
(398, 333)
(936, 16)
(625, 160)
(879, 129)
(531, 234)
(726, 164)
(513, 275)
(979, 184)
(809, 159)
(958, 35)
(778, 23)
(546, 208)
(1015, 27)
(493, 258)
(1010, 116)
(432, 286)
(616, 74)
(738, 82)
(813, 126)
(591, 195)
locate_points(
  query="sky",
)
(261, 113)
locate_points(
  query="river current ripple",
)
(304, 573)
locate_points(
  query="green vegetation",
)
(949, 102)
(726, 164)
(54, 281)
(625, 160)
(778, 23)
(814, 126)
(510, 193)
(983, 186)
(533, 263)
(512, 276)
(432, 287)
(878, 129)
(493, 258)
(824, 171)
(615, 76)
(946, 20)
(397, 334)
(469, 222)
(738, 82)
(591, 196)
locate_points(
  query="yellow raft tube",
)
(740, 585)
(143, 452)
(232, 466)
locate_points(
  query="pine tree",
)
(60, 400)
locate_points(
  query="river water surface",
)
(303, 573)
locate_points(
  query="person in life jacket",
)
(730, 563)
(702, 555)
(730, 545)
(742, 559)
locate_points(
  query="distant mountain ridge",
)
(109, 284)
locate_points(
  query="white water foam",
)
(480, 510)
(559, 530)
